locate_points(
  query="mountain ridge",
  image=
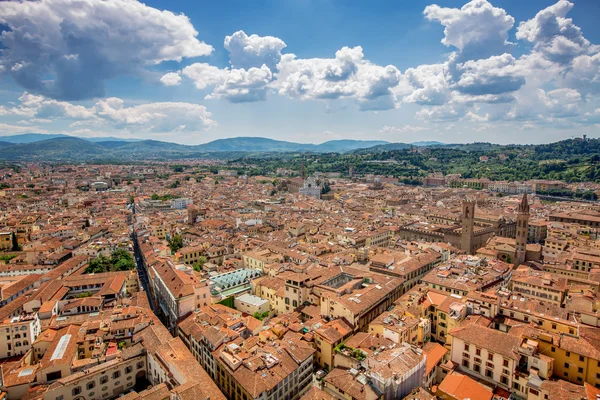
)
(236, 144)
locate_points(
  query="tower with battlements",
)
(468, 222)
(522, 230)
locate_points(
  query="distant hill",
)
(112, 144)
(31, 137)
(427, 143)
(111, 139)
(345, 145)
(57, 149)
(269, 145)
(69, 148)
(248, 144)
(2, 144)
(37, 137)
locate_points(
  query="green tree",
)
(15, 243)
(98, 265)
(200, 263)
(260, 316)
(176, 243)
(120, 260)
(7, 257)
(174, 185)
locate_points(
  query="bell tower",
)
(467, 221)
(522, 230)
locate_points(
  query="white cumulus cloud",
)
(68, 49)
(477, 30)
(253, 51)
(171, 79)
(348, 75)
(555, 35)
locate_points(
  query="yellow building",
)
(327, 337)
(6, 240)
(272, 289)
(576, 359)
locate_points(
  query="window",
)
(504, 380)
(568, 354)
(477, 368)
(76, 390)
(140, 364)
(566, 365)
(580, 358)
(465, 363)
(466, 347)
(491, 356)
(580, 370)
(90, 385)
(103, 379)
(489, 373)
(128, 369)
(478, 352)
(60, 397)
(505, 363)
(116, 374)
(516, 386)
(553, 349)
(533, 392)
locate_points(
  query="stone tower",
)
(192, 211)
(468, 220)
(522, 230)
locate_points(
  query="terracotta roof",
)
(462, 387)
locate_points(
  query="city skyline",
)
(308, 72)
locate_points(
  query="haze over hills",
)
(229, 144)
(37, 137)
(68, 147)
(58, 146)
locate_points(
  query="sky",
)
(505, 71)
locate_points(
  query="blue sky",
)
(302, 70)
